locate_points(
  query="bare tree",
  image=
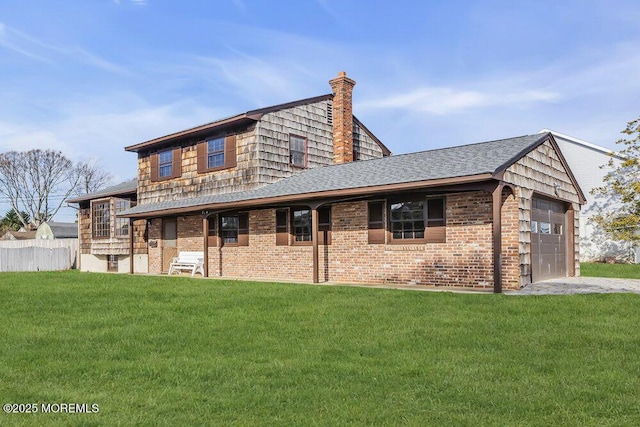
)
(39, 181)
(92, 177)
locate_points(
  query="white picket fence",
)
(38, 255)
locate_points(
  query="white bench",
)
(190, 261)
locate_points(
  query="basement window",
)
(112, 263)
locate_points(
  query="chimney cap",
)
(342, 74)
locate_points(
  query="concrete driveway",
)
(579, 285)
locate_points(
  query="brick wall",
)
(510, 241)
(465, 260)
(262, 258)
(190, 233)
(155, 246)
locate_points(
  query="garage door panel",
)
(548, 240)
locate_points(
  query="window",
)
(407, 220)
(282, 227)
(234, 229)
(418, 220)
(545, 227)
(122, 224)
(112, 262)
(534, 226)
(215, 153)
(301, 225)
(229, 229)
(165, 163)
(101, 219)
(298, 151)
(557, 229)
(375, 220)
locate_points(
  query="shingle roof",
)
(461, 161)
(64, 230)
(126, 187)
(239, 119)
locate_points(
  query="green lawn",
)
(623, 271)
(180, 351)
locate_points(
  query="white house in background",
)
(585, 160)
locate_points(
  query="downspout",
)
(131, 269)
(205, 235)
(78, 252)
(497, 237)
(314, 240)
(219, 244)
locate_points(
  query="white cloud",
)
(34, 48)
(101, 128)
(449, 100)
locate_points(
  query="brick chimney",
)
(342, 118)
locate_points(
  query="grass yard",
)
(180, 351)
(601, 269)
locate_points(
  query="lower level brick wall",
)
(465, 260)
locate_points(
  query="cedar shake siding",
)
(272, 141)
(262, 154)
(543, 171)
(239, 173)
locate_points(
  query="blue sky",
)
(90, 77)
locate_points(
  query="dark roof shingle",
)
(126, 187)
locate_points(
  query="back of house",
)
(304, 191)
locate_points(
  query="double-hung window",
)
(165, 163)
(215, 153)
(229, 228)
(234, 229)
(298, 151)
(122, 224)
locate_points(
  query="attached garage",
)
(549, 240)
